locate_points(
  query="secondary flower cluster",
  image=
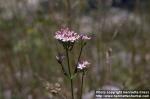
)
(85, 37)
(82, 65)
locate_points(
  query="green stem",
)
(82, 79)
(80, 54)
(71, 81)
(81, 49)
(63, 70)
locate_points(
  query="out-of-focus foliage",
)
(28, 49)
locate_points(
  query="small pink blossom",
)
(85, 37)
(66, 35)
(82, 65)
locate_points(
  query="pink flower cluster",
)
(67, 35)
(82, 65)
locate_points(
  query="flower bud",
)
(60, 57)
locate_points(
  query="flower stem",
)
(81, 49)
(63, 70)
(71, 81)
(82, 79)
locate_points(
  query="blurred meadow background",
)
(28, 47)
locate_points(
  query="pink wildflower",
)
(85, 37)
(66, 35)
(82, 65)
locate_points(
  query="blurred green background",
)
(28, 47)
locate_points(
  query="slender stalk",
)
(71, 81)
(75, 71)
(82, 79)
(80, 53)
(81, 49)
(63, 70)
